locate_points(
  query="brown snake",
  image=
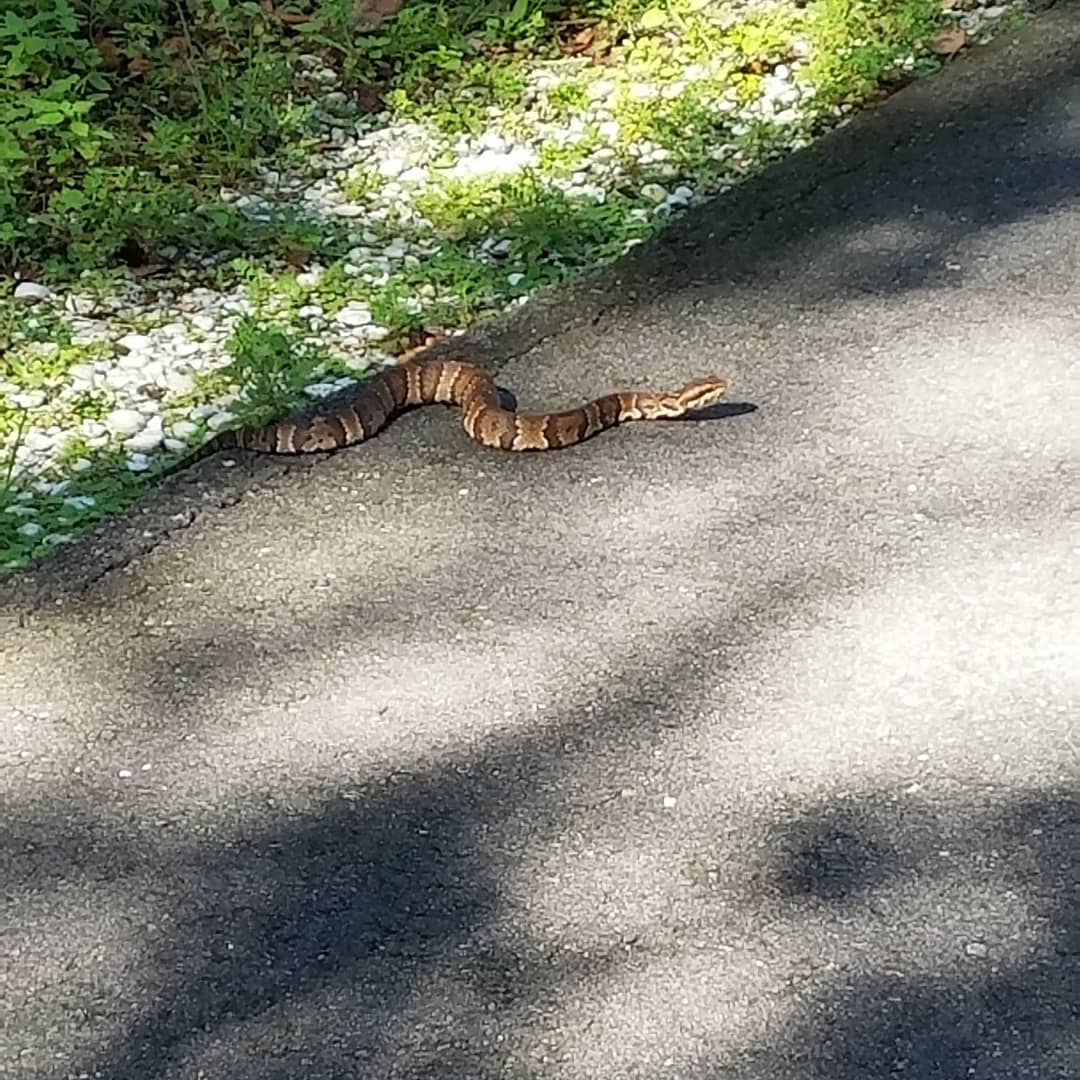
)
(372, 404)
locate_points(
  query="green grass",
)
(861, 41)
(120, 121)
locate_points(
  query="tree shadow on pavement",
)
(366, 934)
(962, 990)
(368, 927)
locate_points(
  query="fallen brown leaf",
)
(376, 12)
(948, 41)
(368, 100)
(111, 60)
(582, 39)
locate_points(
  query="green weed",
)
(271, 364)
(858, 42)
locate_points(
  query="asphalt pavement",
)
(738, 749)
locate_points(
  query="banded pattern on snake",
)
(372, 404)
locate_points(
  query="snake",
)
(373, 403)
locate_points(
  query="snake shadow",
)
(722, 410)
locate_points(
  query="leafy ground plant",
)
(120, 120)
(270, 368)
(860, 42)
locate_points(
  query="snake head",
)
(694, 395)
(701, 393)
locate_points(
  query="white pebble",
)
(146, 441)
(125, 421)
(320, 390)
(371, 332)
(219, 420)
(118, 378)
(178, 382)
(353, 316)
(134, 343)
(82, 374)
(132, 361)
(92, 429)
(80, 305)
(31, 292)
(184, 429)
(38, 440)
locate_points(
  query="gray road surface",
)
(740, 749)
